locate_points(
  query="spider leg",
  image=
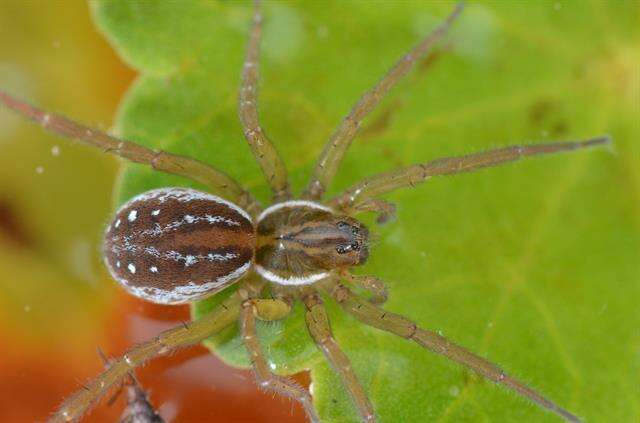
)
(369, 283)
(267, 380)
(396, 324)
(265, 153)
(382, 183)
(335, 149)
(320, 330)
(386, 210)
(193, 169)
(181, 336)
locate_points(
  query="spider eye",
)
(341, 249)
(342, 225)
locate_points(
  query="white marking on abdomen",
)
(185, 195)
(133, 215)
(187, 219)
(184, 292)
(191, 259)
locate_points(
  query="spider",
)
(177, 245)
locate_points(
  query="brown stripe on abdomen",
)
(176, 245)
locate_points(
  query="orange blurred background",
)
(57, 304)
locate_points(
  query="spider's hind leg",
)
(374, 316)
(178, 337)
(265, 153)
(220, 182)
(271, 309)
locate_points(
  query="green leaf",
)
(533, 265)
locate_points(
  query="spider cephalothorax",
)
(175, 245)
(300, 242)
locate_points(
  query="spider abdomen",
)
(175, 245)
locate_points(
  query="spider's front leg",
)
(386, 210)
(265, 153)
(320, 330)
(181, 336)
(337, 146)
(369, 283)
(361, 193)
(271, 309)
(401, 326)
(193, 169)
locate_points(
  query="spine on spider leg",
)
(399, 325)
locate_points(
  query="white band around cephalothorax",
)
(293, 203)
(292, 280)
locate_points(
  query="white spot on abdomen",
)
(133, 215)
(153, 269)
(132, 268)
(155, 212)
(190, 260)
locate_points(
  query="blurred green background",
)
(536, 265)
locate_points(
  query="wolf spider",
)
(177, 245)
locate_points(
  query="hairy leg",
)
(386, 211)
(219, 182)
(320, 330)
(272, 310)
(265, 153)
(382, 183)
(394, 323)
(369, 283)
(181, 336)
(335, 149)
